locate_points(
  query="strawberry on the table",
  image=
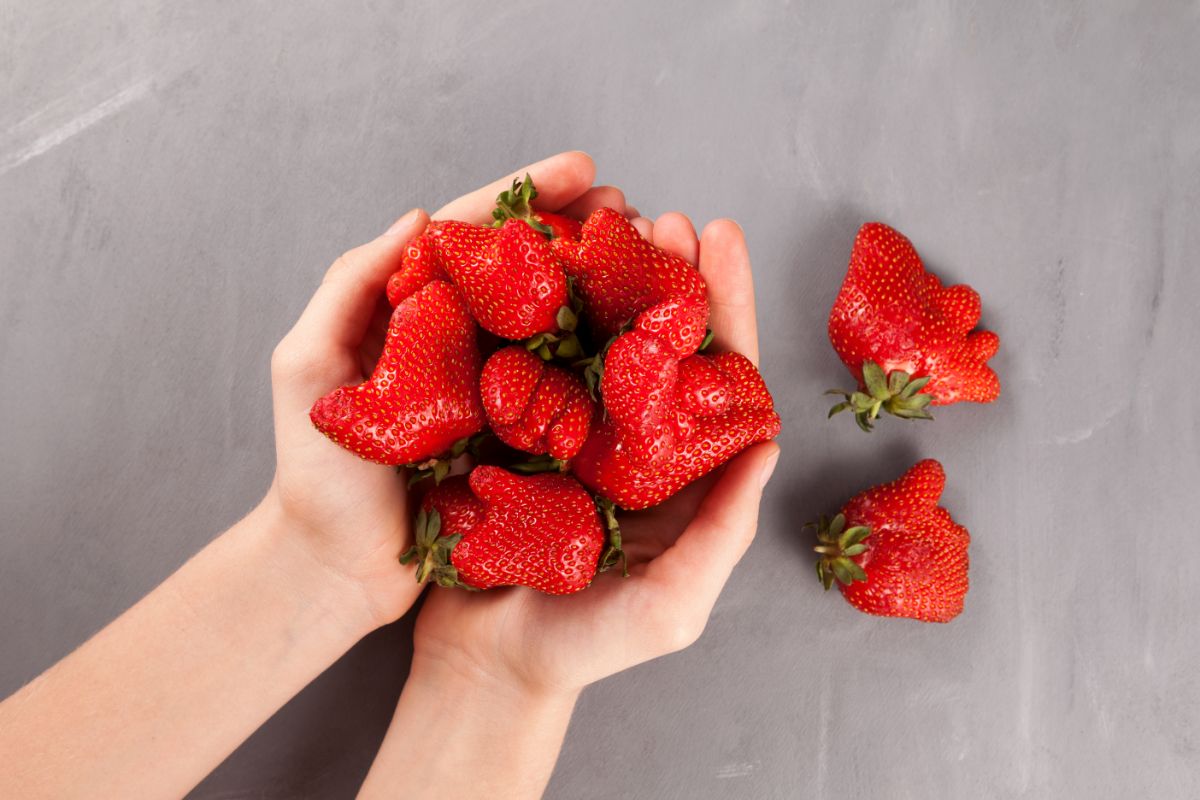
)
(906, 338)
(893, 551)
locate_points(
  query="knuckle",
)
(290, 362)
(680, 627)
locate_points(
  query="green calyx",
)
(837, 546)
(564, 344)
(438, 468)
(539, 464)
(515, 203)
(431, 552)
(896, 393)
(613, 553)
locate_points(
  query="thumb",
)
(340, 310)
(706, 552)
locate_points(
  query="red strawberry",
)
(905, 337)
(618, 274)
(721, 406)
(424, 393)
(495, 528)
(535, 406)
(510, 278)
(418, 267)
(640, 370)
(516, 203)
(895, 552)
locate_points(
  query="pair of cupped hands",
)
(355, 517)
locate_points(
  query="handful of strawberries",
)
(568, 358)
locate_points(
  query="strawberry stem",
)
(614, 553)
(897, 393)
(431, 552)
(837, 547)
(516, 203)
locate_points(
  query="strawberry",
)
(516, 203)
(619, 275)
(905, 337)
(510, 278)
(423, 395)
(495, 528)
(422, 260)
(895, 552)
(535, 406)
(720, 407)
(418, 266)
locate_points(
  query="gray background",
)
(174, 178)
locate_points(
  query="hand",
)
(354, 514)
(681, 552)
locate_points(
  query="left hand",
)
(353, 514)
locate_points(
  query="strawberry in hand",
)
(534, 406)
(423, 395)
(908, 339)
(895, 552)
(494, 528)
(618, 275)
(719, 407)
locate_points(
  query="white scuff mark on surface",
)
(1083, 434)
(738, 769)
(76, 125)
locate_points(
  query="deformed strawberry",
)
(423, 395)
(895, 552)
(907, 338)
(720, 407)
(618, 274)
(496, 528)
(534, 406)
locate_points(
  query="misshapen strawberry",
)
(895, 552)
(423, 395)
(535, 406)
(618, 274)
(720, 406)
(496, 528)
(904, 336)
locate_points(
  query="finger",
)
(644, 226)
(593, 198)
(725, 265)
(674, 233)
(326, 337)
(700, 561)
(340, 310)
(559, 180)
(631, 212)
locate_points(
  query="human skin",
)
(495, 675)
(154, 701)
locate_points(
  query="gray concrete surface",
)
(175, 177)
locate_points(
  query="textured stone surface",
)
(174, 178)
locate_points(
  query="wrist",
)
(492, 691)
(459, 731)
(340, 604)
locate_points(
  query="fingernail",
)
(768, 468)
(401, 225)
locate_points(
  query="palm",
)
(560, 642)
